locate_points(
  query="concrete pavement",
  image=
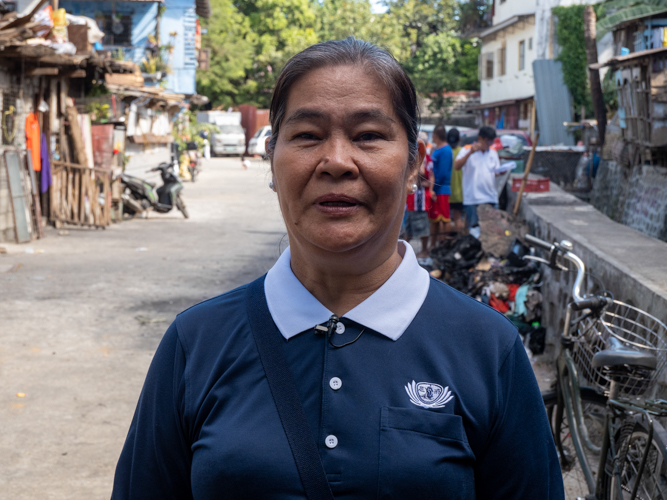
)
(81, 316)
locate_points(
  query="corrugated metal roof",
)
(619, 60)
(553, 103)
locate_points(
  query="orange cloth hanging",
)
(33, 140)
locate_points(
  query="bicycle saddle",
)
(617, 355)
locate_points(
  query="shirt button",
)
(335, 383)
(331, 441)
(340, 328)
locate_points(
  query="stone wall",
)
(634, 196)
(630, 264)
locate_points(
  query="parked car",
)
(257, 144)
(519, 134)
(229, 141)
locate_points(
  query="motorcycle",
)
(140, 195)
(194, 164)
(194, 160)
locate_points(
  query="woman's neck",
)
(343, 281)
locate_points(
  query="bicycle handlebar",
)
(563, 249)
(538, 242)
(589, 303)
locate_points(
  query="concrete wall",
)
(503, 10)
(514, 84)
(632, 265)
(636, 196)
(144, 15)
(180, 18)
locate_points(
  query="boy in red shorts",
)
(440, 179)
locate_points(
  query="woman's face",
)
(340, 164)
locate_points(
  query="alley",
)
(82, 312)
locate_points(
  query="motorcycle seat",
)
(618, 355)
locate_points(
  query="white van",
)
(256, 145)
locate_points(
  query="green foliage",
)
(570, 36)
(99, 113)
(251, 40)
(187, 129)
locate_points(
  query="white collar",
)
(389, 311)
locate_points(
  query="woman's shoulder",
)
(213, 319)
(468, 319)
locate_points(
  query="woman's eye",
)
(368, 136)
(306, 136)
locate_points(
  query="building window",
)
(502, 60)
(486, 66)
(530, 43)
(522, 55)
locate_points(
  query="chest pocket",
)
(424, 454)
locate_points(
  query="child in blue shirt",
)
(440, 185)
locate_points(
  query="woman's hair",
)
(349, 52)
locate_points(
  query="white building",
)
(521, 32)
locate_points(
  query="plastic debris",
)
(20, 394)
(142, 249)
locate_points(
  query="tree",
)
(251, 40)
(232, 53)
(594, 74)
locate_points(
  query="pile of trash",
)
(493, 271)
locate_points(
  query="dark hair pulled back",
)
(349, 52)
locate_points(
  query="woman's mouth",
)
(337, 205)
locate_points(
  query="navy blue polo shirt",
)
(449, 408)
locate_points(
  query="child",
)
(440, 185)
(418, 203)
(456, 184)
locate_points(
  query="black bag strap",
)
(269, 344)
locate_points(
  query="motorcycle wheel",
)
(181, 206)
(193, 173)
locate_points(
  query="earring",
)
(271, 186)
(413, 189)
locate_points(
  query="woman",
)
(431, 394)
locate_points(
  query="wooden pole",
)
(526, 173)
(77, 136)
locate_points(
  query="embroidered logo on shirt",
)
(428, 395)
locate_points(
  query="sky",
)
(377, 7)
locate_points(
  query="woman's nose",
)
(337, 159)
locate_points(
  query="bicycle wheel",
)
(631, 443)
(594, 406)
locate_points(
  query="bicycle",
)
(610, 445)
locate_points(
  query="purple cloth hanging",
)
(46, 166)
